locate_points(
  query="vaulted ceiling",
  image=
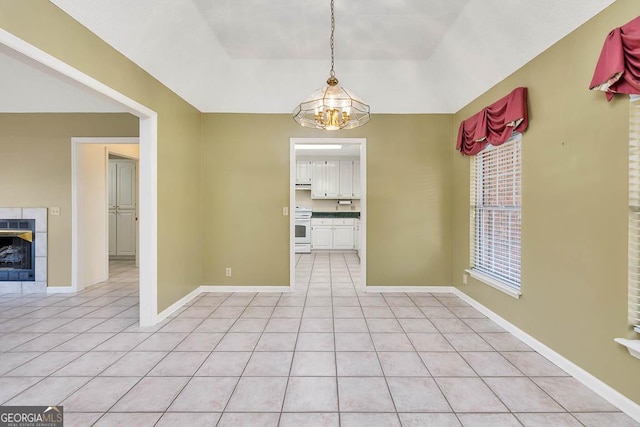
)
(265, 56)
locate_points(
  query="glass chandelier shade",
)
(332, 107)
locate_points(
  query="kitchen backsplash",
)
(303, 198)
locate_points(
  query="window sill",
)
(632, 345)
(494, 283)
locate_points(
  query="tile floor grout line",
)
(248, 360)
(295, 345)
(384, 375)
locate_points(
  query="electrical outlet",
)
(228, 271)
(464, 279)
(285, 211)
(55, 211)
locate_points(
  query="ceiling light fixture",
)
(332, 107)
(318, 146)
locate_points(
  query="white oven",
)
(303, 230)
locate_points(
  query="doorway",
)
(91, 220)
(148, 163)
(347, 205)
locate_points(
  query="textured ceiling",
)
(265, 56)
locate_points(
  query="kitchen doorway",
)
(328, 202)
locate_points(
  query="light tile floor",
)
(325, 355)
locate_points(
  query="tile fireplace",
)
(23, 250)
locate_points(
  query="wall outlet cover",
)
(227, 272)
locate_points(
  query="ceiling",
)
(265, 56)
(29, 87)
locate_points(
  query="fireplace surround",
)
(17, 250)
(23, 250)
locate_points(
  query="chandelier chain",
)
(333, 29)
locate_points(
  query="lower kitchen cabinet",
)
(322, 237)
(332, 233)
(343, 237)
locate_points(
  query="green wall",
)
(246, 184)
(36, 161)
(43, 25)
(574, 208)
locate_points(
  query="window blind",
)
(495, 212)
(634, 214)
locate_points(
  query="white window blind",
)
(634, 214)
(496, 214)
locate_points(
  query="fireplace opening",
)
(17, 251)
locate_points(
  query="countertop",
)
(335, 215)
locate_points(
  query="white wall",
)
(92, 218)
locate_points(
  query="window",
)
(634, 214)
(496, 215)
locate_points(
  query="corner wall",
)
(246, 183)
(574, 209)
(42, 24)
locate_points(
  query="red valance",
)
(618, 68)
(494, 124)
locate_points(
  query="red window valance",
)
(494, 124)
(618, 68)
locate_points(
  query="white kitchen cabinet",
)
(318, 181)
(332, 233)
(122, 207)
(332, 179)
(343, 237)
(357, 186)
(303, 172)
(325, 182)
(356, 235)
(346, 179)
(321, 237)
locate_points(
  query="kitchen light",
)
(332, 107)
(318, 146)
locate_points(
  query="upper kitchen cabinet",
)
(357, 186)
(346, 179)
(303, 172)
(332, 178)
(318, 183)
(335, 179)
(326, 179)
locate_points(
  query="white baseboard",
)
(213, 288)
(60, 289)
(95, 282)
(412, 289)
(608, 393)
(178, 304)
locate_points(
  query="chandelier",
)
(332, 107)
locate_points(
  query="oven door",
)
(303, 231)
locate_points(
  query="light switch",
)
(285, 210)
(55, 211)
